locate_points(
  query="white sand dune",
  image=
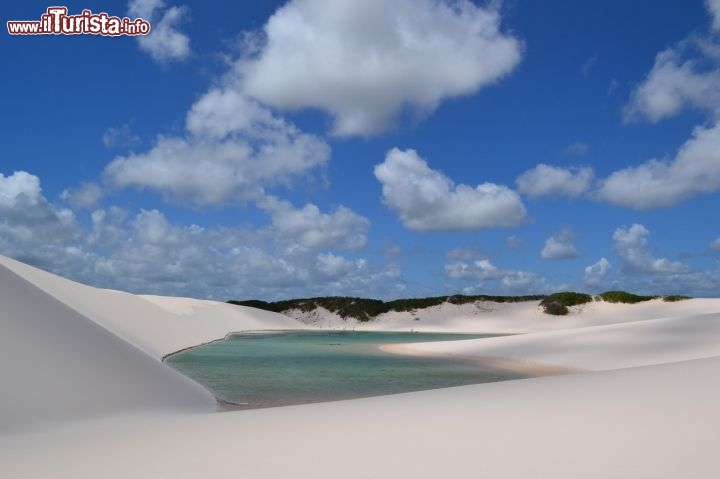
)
(156, 325)
(642, 423)
(511, 318)
(71, 351)
(597, 348)
(85, 395)
(57, 365)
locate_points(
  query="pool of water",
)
(264, 369)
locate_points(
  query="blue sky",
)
(381, 149)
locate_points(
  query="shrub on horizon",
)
(673, 298)
(555, 308)
(624, 297)
(558, 303)
(364, 309)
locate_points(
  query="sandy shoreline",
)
(634, 393)
(526, 368)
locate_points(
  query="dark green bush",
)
(624, 297)
(558, 303)
(567, 298)
(555, 308)
(675, 297)
(366, 309)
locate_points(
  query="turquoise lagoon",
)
(264, 369)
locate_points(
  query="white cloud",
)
(525, 282)
(120, 137)
(595, 273)
(632, 248)
(30, 227)
(310, 228)
(715, 245)
(225, 111)
(367, 62)
(239, 146)
(19, 188)
(687, 74)
(672, 84)
(84, 196)
(547, 180)
(332, 265)
(427, 200)
(483, 271)
(713, 7)
(147, 253)
(694, 170)
(560, 246)
(165, 42)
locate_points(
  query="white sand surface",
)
(57, 365)
(597, 348)
(643, 423)
(513, 318)
(70, 351)
(156, 325)
(85, 395)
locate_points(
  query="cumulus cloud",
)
(485, 274)
(657, 183)
(427, 200)
(367, 62)
(239, 146)
(120, 137)
(84, 196)
(481, 269)
(310, 228)
(165, 42)
(332, 265)
(595, 273)
(560, 246)
(145, 252)
(686, 74)
(547, 180)
(672, 84)
(632, 248)
(526, 282)
(31, 228)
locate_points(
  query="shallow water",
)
(263, 369)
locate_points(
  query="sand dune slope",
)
(612, 346)
(58, 365)
(154, 324)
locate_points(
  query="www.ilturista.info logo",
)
(57, 22)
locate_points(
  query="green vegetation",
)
(557, 303)
(675, 297)
(364, 309)
(367, 309)
(624, 297)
